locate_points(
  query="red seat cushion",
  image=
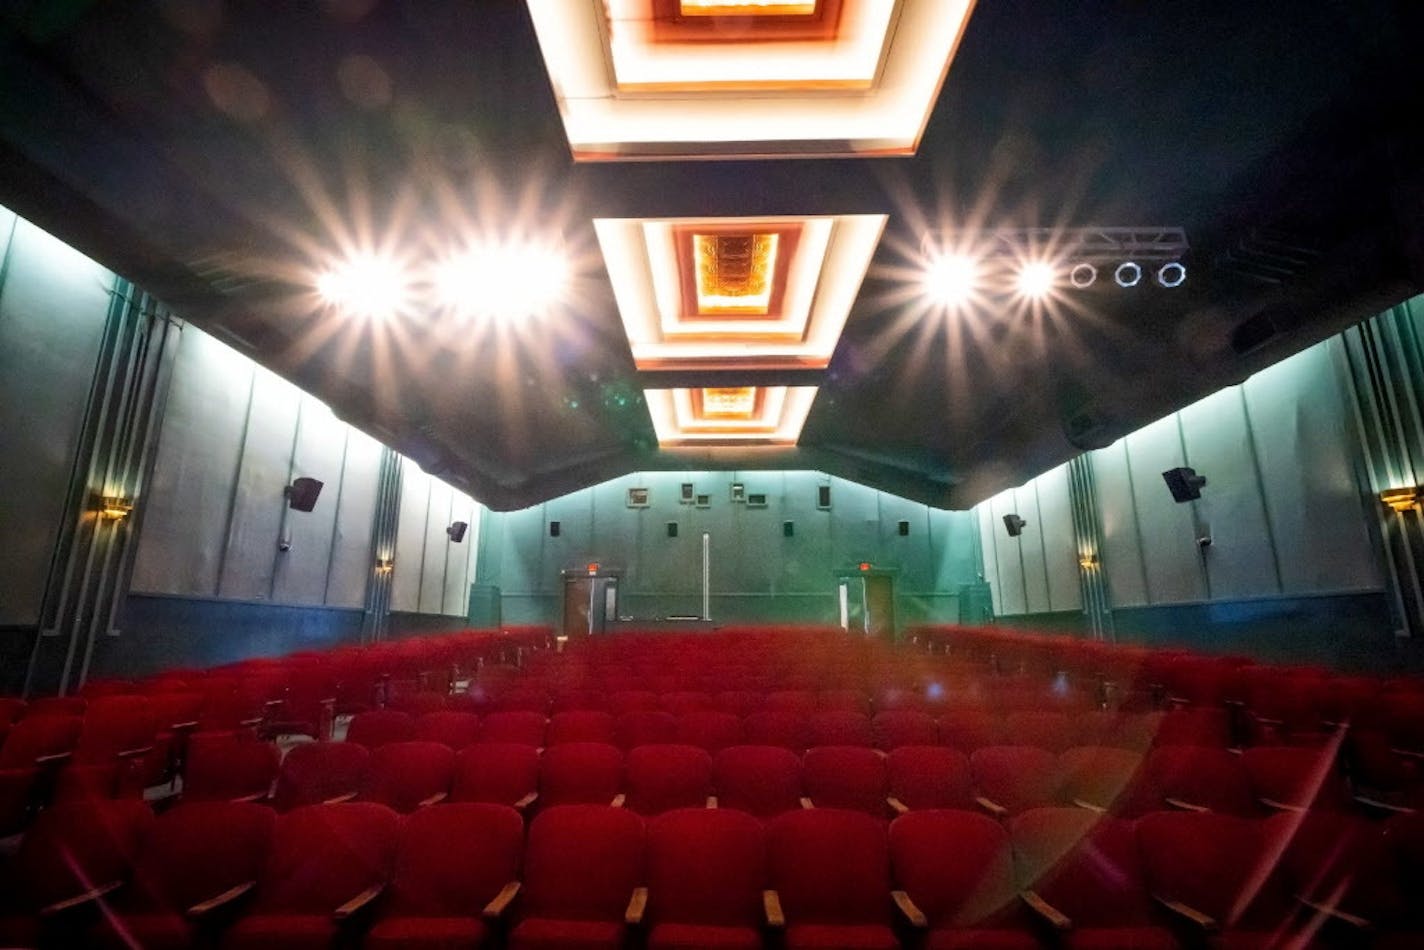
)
(539, 933)
(281, 932)
(840, 937)
(949, 939)
(157, 931)
(427, 933)
(1121, 938)
(702, 937)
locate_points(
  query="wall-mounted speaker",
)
(672, 529)
(904, 529)
(554, 529)
(456, 531)
(1014, 525)
(303, 493)
(1184, 484)
(788, 529)
(823, 496)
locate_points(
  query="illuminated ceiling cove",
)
(736, 415)
(699, 78)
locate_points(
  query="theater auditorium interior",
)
(711, 474)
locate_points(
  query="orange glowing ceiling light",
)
(734, 272)
(747, 8)
(729, 402)
(694, 417)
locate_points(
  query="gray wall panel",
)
(1060, 551)
(437, 549)
(1122, 547)
(320, 443)
(1035, 576)
(1174, 571)
(410, 538)
(457, 558)
(351, 555)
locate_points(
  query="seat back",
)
(969, 729)
(453, 729)
(850, 777)
(1218, 864)
(838, 727)
(198, 850)
(645, 727)
(115, 724)
(377, 727)
(1296, 776)
(73, 847)
(1015, 777)
(971, 887)
(927, 776)
(660, 778)
(776, 727)
(894, 728)
(1100, 776)
(709, 729)
(434, 879)
(1054, 731)
(1084, 864)
(499, 773)
(316, 772)
(829, 866)
(404, 774)
(589, 725)
(706, 866)
(36, 736)
(582, 862)
(222, 766)
(580, 773)
(521, 726)
(324, 855)
(761, 780)
(1211, 778)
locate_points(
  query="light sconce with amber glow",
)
(1401, 500)
(1087, 561)
(115, 507)
(384, 565)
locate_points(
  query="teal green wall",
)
(758, 575)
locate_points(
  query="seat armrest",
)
(1185, 806)
(1205, 921)
(80, 900)
(1369, 802)
(54, 758)
(1335, 913)
(807, 803)
(134, 753)
(526, 801)
(435, 799)
(711, 801)
(991, 806)
(897, 806)
(221, 900)
(1080, 803)
(637, 907)
(254, 797)
(187, 725)
(619, 800)
(348, 797)
(349, 909)
(1274, 805)
(771, 906)
(1054, 917)
(496, 907)
(906, 906)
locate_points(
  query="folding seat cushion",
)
(706, 873)
(831, 872)
(840, 728)
(1009, 779)
(228, 766)
(1287, 778)
(377, 727)
(409, 775)
(1193, 726)
(969, 729)
(196, 855)
(439, 894)
(521, 726)
(1085, 866)
(1220, 869)
(326, 863)
(633, 700)
(645, 727)
(956, 868)
(582, 864)
(761, 780)
(1102, 778)
(587, 726)
(682, 702)
(710, 730)
(315, 772)
(901, 727)
(580, 773)
(777, 727)
(849, 777)
(660, 778)
(1193, 777)
(926, 776)
(501, 773)
(1053, 731)
(452, 729)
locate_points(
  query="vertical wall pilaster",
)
(1087, 537)
(384, 524)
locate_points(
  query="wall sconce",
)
(115, 507)
(1087, 561)
(384, 565)
(1401, 500)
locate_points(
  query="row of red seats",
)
(599, 877)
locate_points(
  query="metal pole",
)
(706, 576)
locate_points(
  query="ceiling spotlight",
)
(367, 285)
(1171, 274)
(1128, 274)
(1036, 279)
(1082, 275)
(503, 280)
(950, 278)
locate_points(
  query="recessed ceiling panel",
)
(736, 293)
(695, 78)
(729, 415)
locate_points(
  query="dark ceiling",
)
(212, 150)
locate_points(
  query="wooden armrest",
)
(254, 797)
(991, 806)
(897, 806)
(79, 900)
(348, 797)
(1204, 921)
(912, 914)
(807, 803)
(354, 905)
(1383, 806)
(771, 906)
(1052, 915)
(1408, 753)
(619, 800)
(1090, 806)
(637, 906)
(186, 726)
(1335, 913)
(526, 801)
(435, 799)
(53, 758)
(250, 723)
(496, 907)
(1280, 806)
(134, 753)
(1185, 806)
(223, 899)
(711, 801)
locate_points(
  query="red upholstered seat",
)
(710, 730)
(839, 727)
(405, 775)
(377, 727)
(517, 699)
(228, 766)
(633, 700)
(969, 729)
(453, 729)
(831, 870)
(316, 772)
(1054, 731)
(191, 854)
(1136, 731)
(901, 727)
(761, 780)
(682, 702)
(1100, 777)
(660, 778)
(582, 726)
(499, 773)
(1195, 726)
(738, 702)
(645, 727)
(1343, 862)
(1294, 777)
(850, 777)
(581, 865)
(1192, 776)
(452, 861)
(706, 872)
(322, 856)
(519, 726)
(777, 727)
(580, 773)
(1015, 778)
(921, 777)
(790, 700)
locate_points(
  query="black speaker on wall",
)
(1014, 525)
(554, 529)
(1184, 484)
(303, 493)
(457, 531)
(788, 529)
(904, 529)
(672, 529)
